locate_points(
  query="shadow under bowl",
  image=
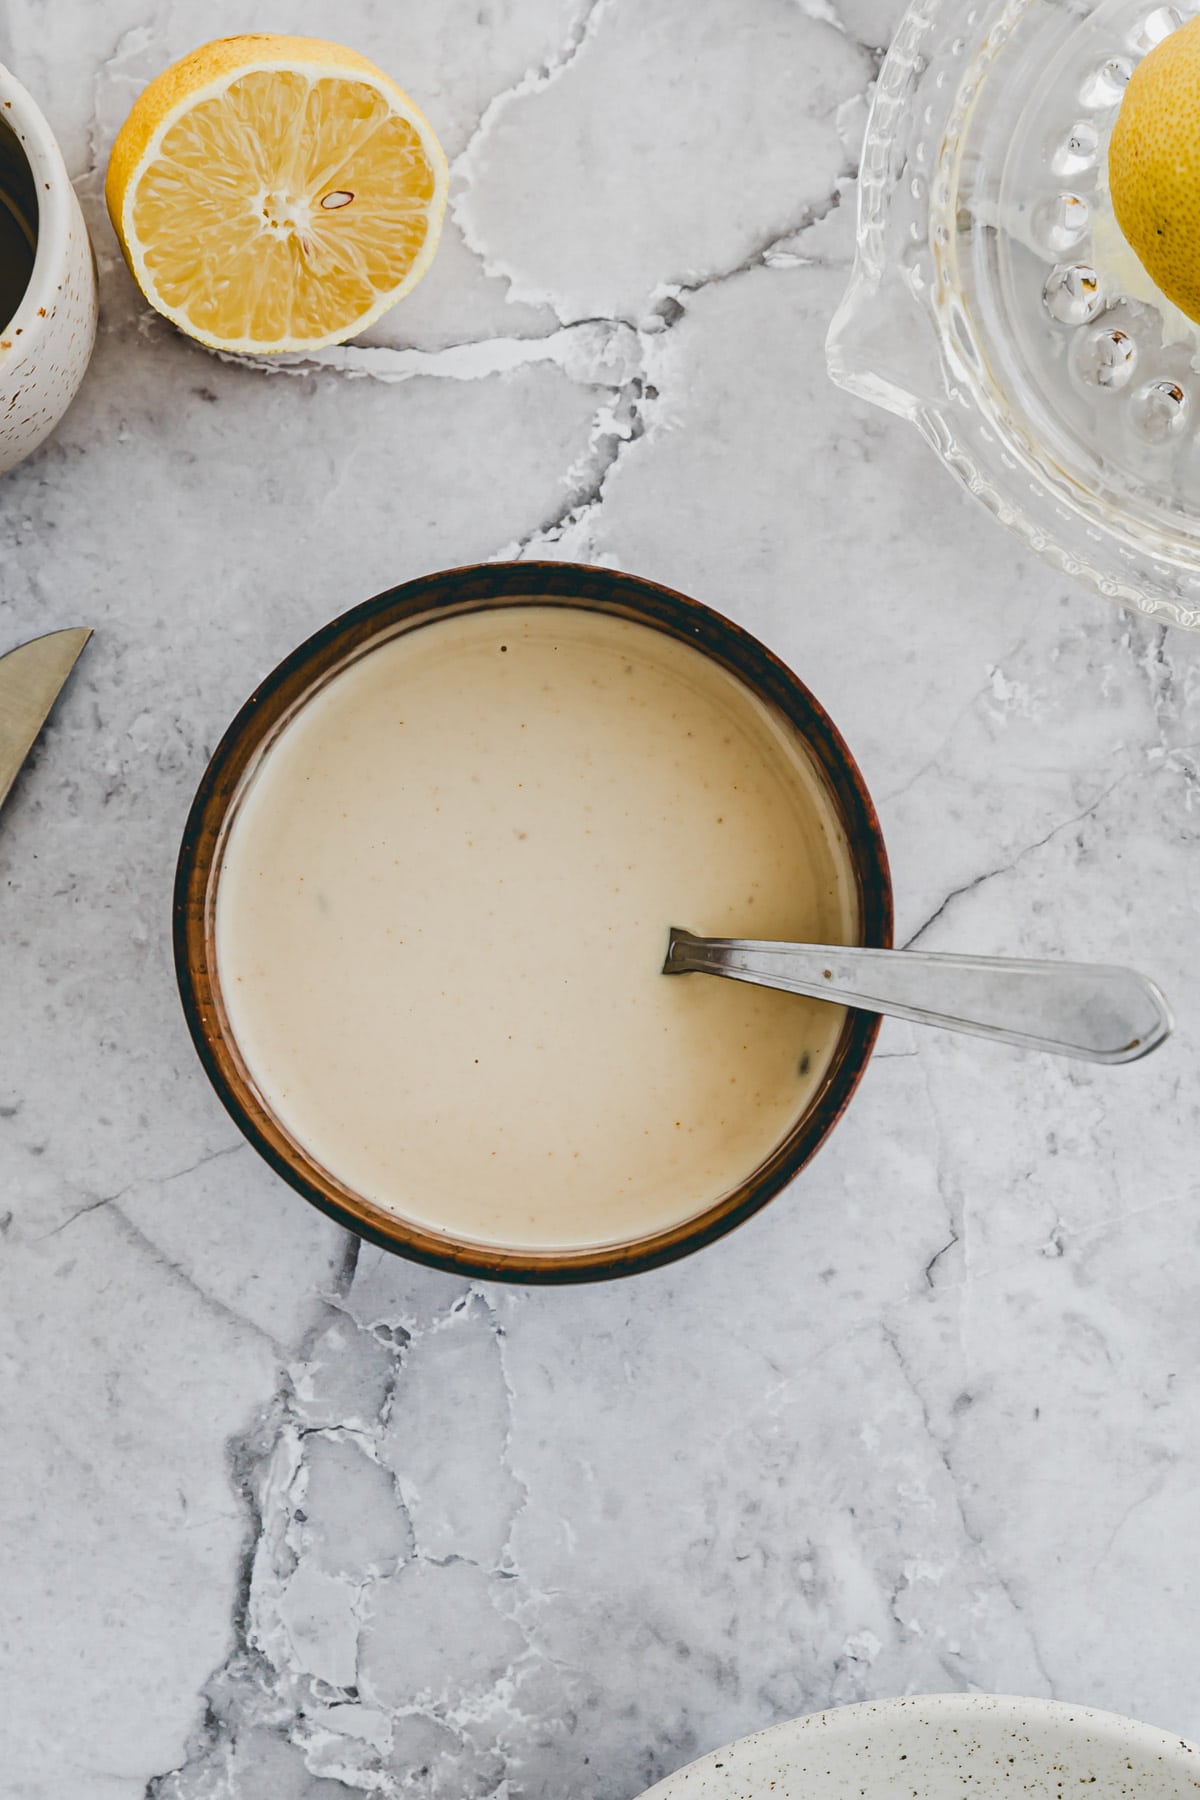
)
(276, 701)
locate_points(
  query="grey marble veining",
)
(284, 1520)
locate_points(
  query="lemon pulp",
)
(275, 193)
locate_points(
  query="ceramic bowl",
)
(275, 702)
(942, 1747)
(47, 343)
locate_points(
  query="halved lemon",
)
(275, 193)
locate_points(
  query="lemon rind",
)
(398, 101)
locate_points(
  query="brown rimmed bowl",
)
(275, 702)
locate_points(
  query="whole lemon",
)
(1154, 166)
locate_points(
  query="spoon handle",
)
(1091, 1010)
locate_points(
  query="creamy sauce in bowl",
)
(442, 911)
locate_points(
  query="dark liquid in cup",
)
(18, 224)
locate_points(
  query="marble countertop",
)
(285, 1519)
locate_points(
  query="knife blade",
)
(31, 678)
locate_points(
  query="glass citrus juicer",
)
(995, 303)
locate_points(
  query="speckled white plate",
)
(942, 1747)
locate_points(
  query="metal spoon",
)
(1091, 1010)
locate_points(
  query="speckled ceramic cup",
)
(943, 1747)
(46, 342)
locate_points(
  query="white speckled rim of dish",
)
(56, 205)
(940, 1746)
